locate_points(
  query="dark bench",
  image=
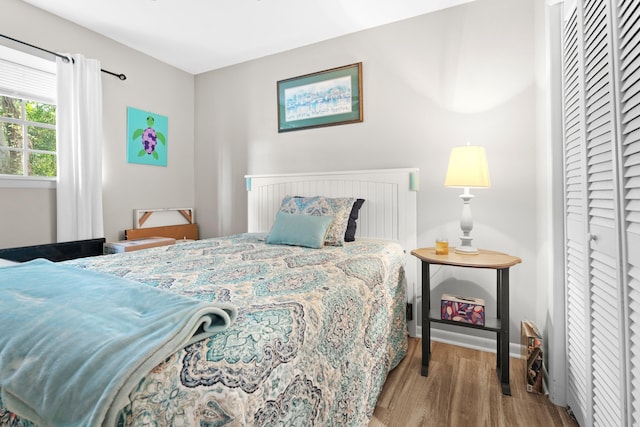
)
(55, 251)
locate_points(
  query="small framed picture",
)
(146, 137)
(326, 98)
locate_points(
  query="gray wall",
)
(430, 83)
(27, 216)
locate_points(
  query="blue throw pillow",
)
(299, 230)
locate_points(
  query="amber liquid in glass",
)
(442, 247)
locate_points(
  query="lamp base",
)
(465, 247)
(466, 225)
(466, 250)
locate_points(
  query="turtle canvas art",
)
(146, 137)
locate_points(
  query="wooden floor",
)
(462, 389)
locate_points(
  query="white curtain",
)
(79, 140)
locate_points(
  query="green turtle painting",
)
(150, 138)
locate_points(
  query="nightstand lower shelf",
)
(490, 323)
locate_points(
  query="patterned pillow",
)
(340, 208)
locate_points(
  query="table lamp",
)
(467, 168)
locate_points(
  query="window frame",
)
(36, 62)
(25, 124)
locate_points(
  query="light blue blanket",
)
(74, 343)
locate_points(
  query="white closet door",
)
(605, 292)
(628, 12)
(596, 322)
(577, 297)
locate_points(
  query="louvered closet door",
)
(597, 391)
(602, 213)
(578, 350)
(629, 60)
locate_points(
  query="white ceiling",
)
(203, 35)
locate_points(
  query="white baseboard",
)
(469, 341)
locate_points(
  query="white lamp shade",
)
(468, 167)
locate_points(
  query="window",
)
(27, 137)
(27, 116)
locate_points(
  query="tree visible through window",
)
(27, 138)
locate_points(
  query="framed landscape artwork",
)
(326, 98)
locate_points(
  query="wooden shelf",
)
(178, 232)
(483, 259)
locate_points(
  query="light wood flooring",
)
(462, 389)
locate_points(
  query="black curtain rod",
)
(64, 58)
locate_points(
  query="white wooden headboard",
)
(389, 211)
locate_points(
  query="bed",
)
(317, 330)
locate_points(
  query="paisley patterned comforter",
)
(316, 334)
